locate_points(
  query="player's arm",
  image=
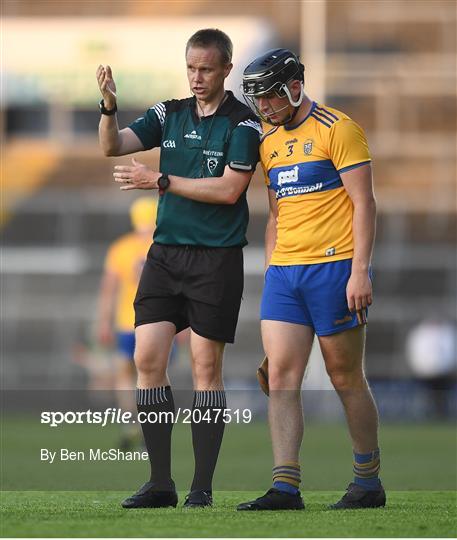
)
(348, 149)
(358, 183)
(113, 141)
(106, 305)
(270, 229)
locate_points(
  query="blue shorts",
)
(125, 342)
(313, 295)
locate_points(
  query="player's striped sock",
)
(157, 434)
(207, 435)
(287, 477)
(366, 470)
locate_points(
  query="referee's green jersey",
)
(195, 148)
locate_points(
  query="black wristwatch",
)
(164, 183)
(104, 110)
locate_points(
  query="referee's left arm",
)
(241, 160)
(225, 189)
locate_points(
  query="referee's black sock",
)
(207, 435)
(157, 432)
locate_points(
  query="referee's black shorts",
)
(192, 286)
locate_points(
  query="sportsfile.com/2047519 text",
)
(118, 416)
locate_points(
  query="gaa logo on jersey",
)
(308, 147)
(212, 164)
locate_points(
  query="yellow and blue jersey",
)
(303, 166)
(125, 258)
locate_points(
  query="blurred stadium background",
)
(391, 65)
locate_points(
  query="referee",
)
(193, 275)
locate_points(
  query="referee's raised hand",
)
(107, 85)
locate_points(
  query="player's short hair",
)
(212, 37)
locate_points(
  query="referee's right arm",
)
(113, 141)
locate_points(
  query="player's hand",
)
(107, 86)
(136, 176)
(262, 376)
(359, 294)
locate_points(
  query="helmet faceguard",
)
(271, 73)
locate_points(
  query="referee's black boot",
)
(198, 499)
(148, 496)
(274, 499)
(358, 497)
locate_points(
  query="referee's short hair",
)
(209, 37)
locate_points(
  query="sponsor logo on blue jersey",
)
(304, 178)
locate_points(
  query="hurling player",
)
(319, 241)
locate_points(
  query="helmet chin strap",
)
(295, 104)
(289, 95)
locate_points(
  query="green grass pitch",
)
(98, 514)
(82, 499)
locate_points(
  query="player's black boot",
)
(274, 499)
(358, 497)
(198, 499)
(149, 497)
